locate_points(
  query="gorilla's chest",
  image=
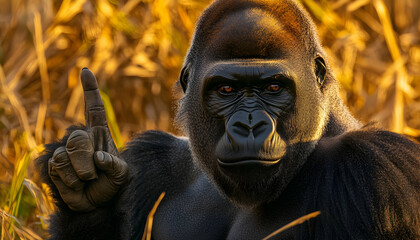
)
(197, 213)
(202, 213)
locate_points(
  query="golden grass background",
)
(136, 49)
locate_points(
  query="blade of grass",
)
(15, 192)
(294, 223)
(147, 235)
(5, 221)
(401, 78)
(18, 108)
(42, 62)
(26, 233)
(40, 120)
(385, 19)
(328, 18)
(44, 204)
(68, 9)
(112, 121)
(21, 231)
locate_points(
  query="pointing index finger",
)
(94, 108)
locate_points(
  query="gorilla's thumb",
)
(114, 167)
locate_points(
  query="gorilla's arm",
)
(367, 186)
(101, 223)
(158, 162)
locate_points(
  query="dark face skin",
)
(250, 97)
(255, 106)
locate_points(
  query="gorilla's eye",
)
(273, 88)
(225, 89)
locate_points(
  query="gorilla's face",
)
(254, 99)
(254, 108)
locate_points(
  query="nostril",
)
(250, 118)
(259, 128)
(241, 128)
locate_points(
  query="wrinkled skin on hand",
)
(88, 171)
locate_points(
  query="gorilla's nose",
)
(249, 130)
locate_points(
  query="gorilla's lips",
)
(248, 162)
(253, 154)
(251, 141)
(249, 170)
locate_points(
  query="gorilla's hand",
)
(88, 171)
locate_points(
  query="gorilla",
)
(268, 140)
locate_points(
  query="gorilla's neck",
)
(340, 119)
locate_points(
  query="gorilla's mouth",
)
(248, 162)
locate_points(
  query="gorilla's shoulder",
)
(156, 154)
(372, 176)
(372, 145)
(157, 143)
(372, 151)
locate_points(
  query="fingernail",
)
(100, 156)
(85, 68)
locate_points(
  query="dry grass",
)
(293, 223)
(136, 49)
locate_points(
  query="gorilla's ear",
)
(320, 70)
(183, 78)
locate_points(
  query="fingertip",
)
(88, 80)
(79, 140)
(100, 155)
(51, 168)
(60, 155)
(115, 168)
(100, 158)
(103, 160)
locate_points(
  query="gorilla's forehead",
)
(251, 33)
(237, 69)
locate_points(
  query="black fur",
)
(365, 181)
(159, 162)
(366, 184)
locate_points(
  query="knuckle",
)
(78, 202)
(60, 155)
(121, 171)
(74, 183)
(86, 174)
(92, 195)
(70, 178)
(78, 140)
(51, 168)
(97, 108)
